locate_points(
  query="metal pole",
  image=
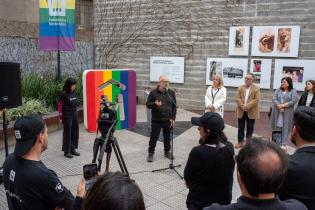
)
(58, 64)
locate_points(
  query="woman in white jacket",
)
(215, 96)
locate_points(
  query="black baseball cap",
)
(25, 131)
(210, 120)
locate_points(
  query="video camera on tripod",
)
(106, 122)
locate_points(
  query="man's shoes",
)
(68, 155)
(169, 155)
(150, 158)
(75, 153)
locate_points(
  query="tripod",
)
(106, 144)
(5, 138)
(171, 165)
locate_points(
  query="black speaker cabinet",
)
(10, 85)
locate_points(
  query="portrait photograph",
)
(239, 40)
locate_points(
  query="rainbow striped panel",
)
(57, 25)
(126, 113)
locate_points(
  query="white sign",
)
(172, 67)
(262, 70)
(299, 70)
(232, 70)
(278, 41)
(239, 40)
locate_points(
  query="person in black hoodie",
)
(209, 170)
(67, 108)
(261, 168)
(162, 102)
(307, 98)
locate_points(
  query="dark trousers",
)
(156, 127)
(70, 136)
(241, 127)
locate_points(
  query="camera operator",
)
(162, 102)
(209, 170)
(28, 183)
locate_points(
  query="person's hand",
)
(172, 123)
(81, 189)
(59, 121)
(245, 108)
(158, 103)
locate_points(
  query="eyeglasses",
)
(165, 81)
(248, 78)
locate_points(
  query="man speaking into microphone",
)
(162, 102)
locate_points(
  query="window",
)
(84, 14)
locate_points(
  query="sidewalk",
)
(162, 190)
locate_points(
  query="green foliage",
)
(29, 106)
(46, 88)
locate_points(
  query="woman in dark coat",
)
(307, 98)
(209, 170)
(67, 107)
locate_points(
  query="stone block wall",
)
(195, 29)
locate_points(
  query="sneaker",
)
(150, 158)
(169, 155)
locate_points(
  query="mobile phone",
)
(89, 174)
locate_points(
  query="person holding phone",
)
(28, 183)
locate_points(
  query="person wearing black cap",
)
(209, 170)
(28, 183)
(299, 182)
(67, 108)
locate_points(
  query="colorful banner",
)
(113, 84)
(57, 25)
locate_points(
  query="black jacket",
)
(244, 203)
(300, 181)
(209, 175)
(168, 109)
(302, 101)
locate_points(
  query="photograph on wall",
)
(277, 41)
(261, 68)
(239, 40)
(215, 68)
(299, 70)
(232, 70)
(172, 67)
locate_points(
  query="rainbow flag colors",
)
(126, 93)
(57, 25)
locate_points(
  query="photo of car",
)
(232, 72)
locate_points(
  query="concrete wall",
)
(196, 29)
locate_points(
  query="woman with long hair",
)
(209, 170)
(67, 108)
(216, 96)
(307, 97)
(281, 118)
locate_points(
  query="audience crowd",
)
(268, 177)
